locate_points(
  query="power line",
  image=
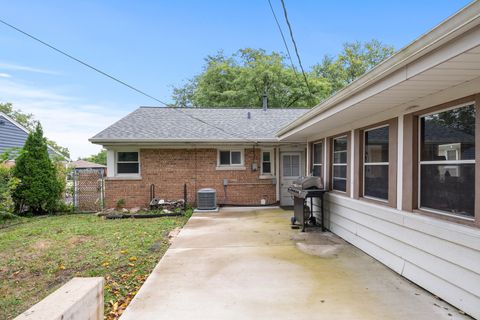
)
(120, 81)
(295, 45)
(84, 63)
(283, 38)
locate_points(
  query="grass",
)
(40, 254)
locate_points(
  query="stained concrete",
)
(249, 264)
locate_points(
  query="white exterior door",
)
(290, 170)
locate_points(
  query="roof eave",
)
(459, 23)
(179, 140)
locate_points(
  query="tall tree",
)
(242, 78)
(27, 120)
(40, 186)
(99, 158)
(354, 60)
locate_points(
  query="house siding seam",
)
(170, 169)
(437, 257)
(12, 136)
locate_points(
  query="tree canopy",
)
(99, 158)
(27, 120)
(240, 80)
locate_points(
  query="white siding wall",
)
(442, 257)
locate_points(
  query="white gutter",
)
(457, 24)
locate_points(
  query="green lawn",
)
(40, 254)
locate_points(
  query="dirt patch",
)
(75, 240)
(42, 244)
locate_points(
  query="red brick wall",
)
(170, 169)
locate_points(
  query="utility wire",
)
(295, 46)
(84, 63)
(120, 81)
(283, 38)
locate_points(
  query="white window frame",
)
(444, 162)
(320, 164)
(340, 164)
(127, 174)
(365, 164)
(240, 166)
(272, 163)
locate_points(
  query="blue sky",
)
(156, 44)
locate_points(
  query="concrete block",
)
(78, 299)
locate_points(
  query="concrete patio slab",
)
(249, 264)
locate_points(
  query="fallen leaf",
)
(132, 258)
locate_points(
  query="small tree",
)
(40, 187)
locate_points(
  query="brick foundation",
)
(170, 169)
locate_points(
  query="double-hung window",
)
(317, 159)
(447, 161)
(267, 168)
(376, 162)
(230, 158)
(128, 163)
(340, 163)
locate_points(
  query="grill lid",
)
(309, 182)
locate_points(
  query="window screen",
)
(447, 161)
(375, 178)
(317, 163)
(266, 162)
(127, 163)
(339, 174)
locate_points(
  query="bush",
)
(8, 183)
(41, 184)
(4, 216)
(63, 207)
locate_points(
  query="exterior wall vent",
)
(206, 199)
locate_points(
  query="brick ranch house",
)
(238, 155)
(396, 149)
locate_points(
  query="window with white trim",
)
(447, 161)
(267, 167)
(230, 158)
(339, 164)
(376, 163)
(317, 159)
(127, 162)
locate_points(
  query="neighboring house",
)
(397, 149)
(238, 155)
(13, 135)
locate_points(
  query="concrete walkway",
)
(249, 264)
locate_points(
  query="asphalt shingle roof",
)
(158, 123)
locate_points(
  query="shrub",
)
(120, 203)
(8, 183)
(41, 186)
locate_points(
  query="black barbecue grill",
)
(302, 189)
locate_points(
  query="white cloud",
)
(65, 119)
(4, 75)
(16, 67)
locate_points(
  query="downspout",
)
(277, 172)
